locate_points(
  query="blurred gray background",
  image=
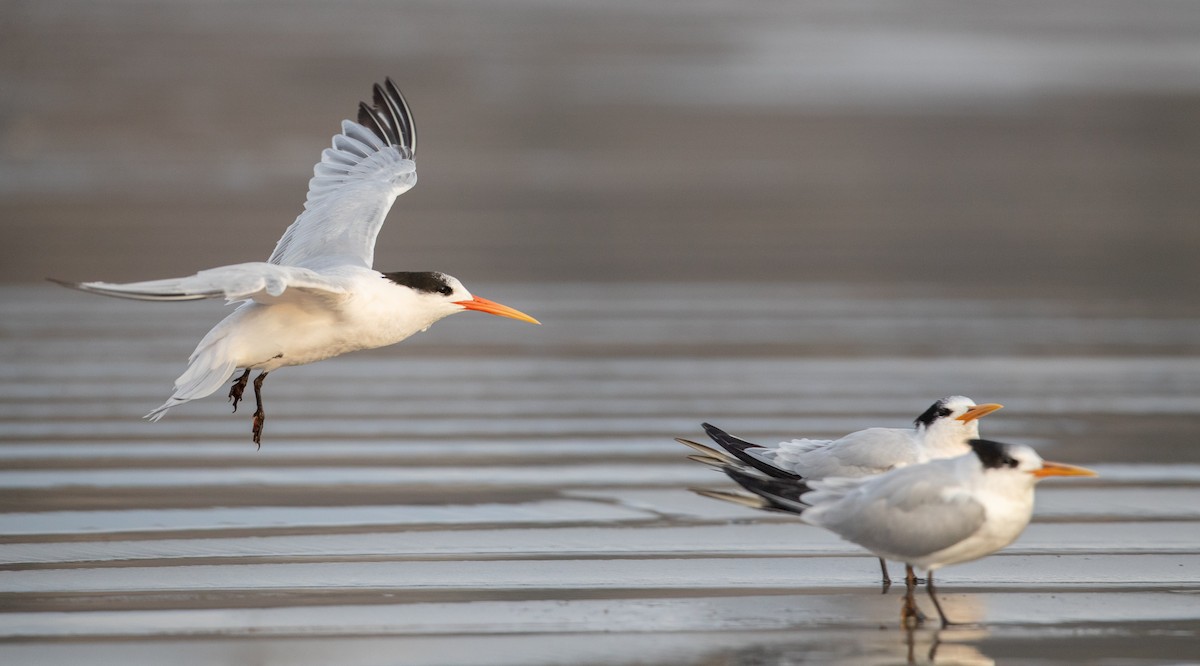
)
(1017, 148)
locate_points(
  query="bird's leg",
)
(910, 615)
(259, 416)
(933, 647)
(933, 595)
(239, 386)
(887, 580)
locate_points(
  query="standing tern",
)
(928, 516)
(942, 431)
(317, 296)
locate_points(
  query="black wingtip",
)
(738, 446)
(727, 440)
(408, 126)
(389, 116)
(780, 494)
(367, 118)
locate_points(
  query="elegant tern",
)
(928, 516)
(942, 431)
(317, 296)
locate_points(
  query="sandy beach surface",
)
(785, 218)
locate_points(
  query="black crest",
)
(993, 455)
(430, 282)
(937, 410)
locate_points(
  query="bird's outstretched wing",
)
(353, 187)
(262, 282)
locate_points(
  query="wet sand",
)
(785, 219)
(498, 494)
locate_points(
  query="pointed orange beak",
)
(979, 411)
(1061, 469)
(492, 307)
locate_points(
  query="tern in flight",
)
(928, 516)
(942, 431)
(317, 296)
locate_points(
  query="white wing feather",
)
(259, 281)
(351, 191)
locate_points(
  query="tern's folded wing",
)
(353, 187)
(901, 515)
(862, 453)
(262, 282)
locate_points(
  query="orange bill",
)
(492, 307)
(979, 411)
(1061, 469)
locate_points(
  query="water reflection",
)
(867, 646)
(971, 611)
(946, 646)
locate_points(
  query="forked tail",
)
(208, 368)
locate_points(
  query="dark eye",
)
(1008, 461)
(446, 290)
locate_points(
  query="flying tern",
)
(942, 431)
(317, 296)
(928, 516)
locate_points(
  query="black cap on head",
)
(430, 282)
(993, 455)
(937, 410)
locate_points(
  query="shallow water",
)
(471, 498)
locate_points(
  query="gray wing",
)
(354, 186)
(901, 515)
(261, 282)
(861, 453)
